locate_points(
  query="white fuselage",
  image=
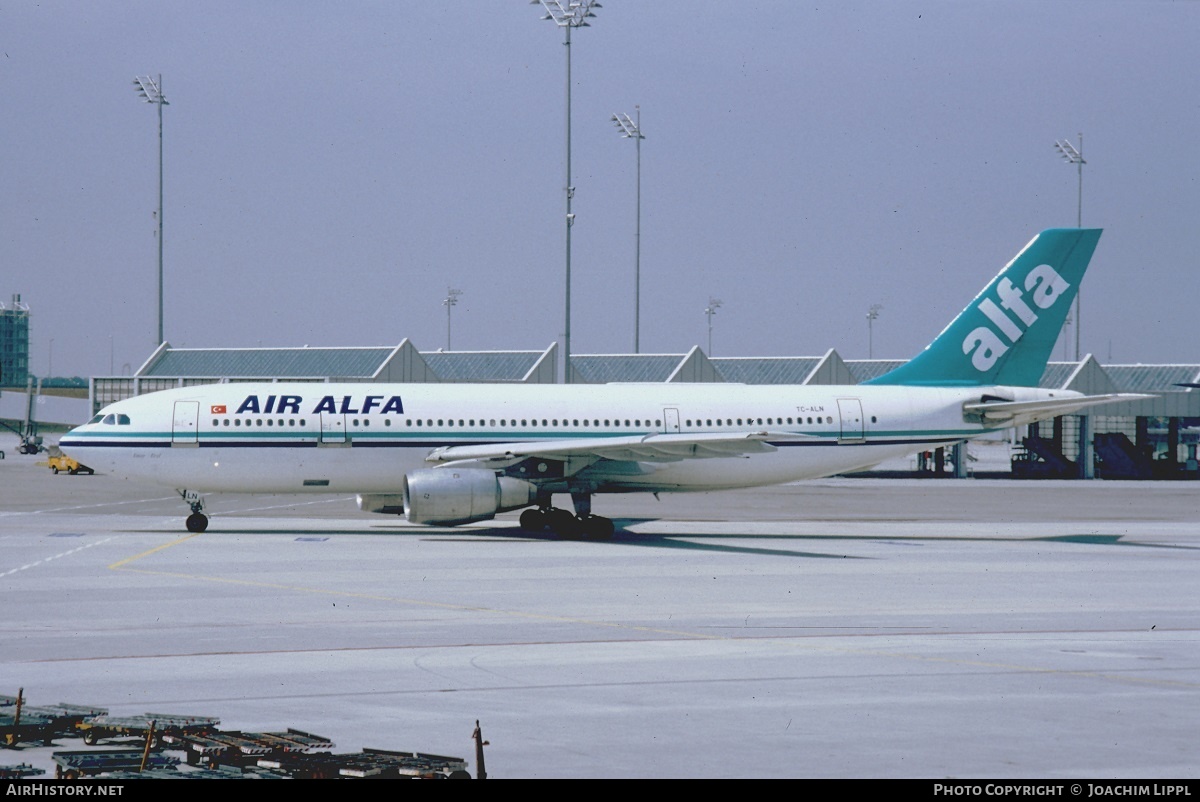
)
(363, 438)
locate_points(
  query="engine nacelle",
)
(450, 496)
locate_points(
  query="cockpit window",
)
(96, 419)
(109, 419)
(122, 420)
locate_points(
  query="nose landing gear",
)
(196, 522)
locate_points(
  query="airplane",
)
(449, 454)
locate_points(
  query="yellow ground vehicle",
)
(61, 462)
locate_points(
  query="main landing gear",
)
(562, 523)
(196, 522)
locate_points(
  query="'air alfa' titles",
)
(345, 405)
(985, 344)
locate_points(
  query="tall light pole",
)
(573, 14)
(632, 129)
(872, 315)
(450, 302)
(1073, 155)
(151, 92)
(713, 305)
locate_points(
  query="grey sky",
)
(332, 168)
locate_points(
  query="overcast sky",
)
(332, 168)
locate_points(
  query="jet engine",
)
(450, 496)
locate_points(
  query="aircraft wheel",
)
(197, 522)
(598, 527)
(562, 523)
(533, 520)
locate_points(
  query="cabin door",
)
(850, 411)
(333, 428)
(185, 423)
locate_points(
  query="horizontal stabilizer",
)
(1019, 412)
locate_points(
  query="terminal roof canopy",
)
(275, 362)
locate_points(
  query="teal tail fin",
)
(1006, 334)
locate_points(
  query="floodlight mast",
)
(713, 305)
(151, 92)
(632, 129)
(573, 14)
(872, 316)
(1073, 155)
(450, 302)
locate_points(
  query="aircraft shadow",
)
(679, 541)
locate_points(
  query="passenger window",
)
(225, 422)
(258, 422)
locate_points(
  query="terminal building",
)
(1152, 438)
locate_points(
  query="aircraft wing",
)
(1018, 412)
(647, 447)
